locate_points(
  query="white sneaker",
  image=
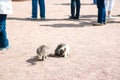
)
(110, 17)
(31, 18)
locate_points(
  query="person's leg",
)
(101, 11)
(94, 1)
(78, 5)
(110, 6)
(3, 35)
(106, 4)
(34, 8)
(42, 8)
(72, 8)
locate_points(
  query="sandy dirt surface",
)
(94, 54)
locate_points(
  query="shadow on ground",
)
(32, 60)
(83, 17)
(68, 4)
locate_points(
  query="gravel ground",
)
(94, 54)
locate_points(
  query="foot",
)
(31, 18)
(42, 18)
(5, 48)
(71, 17)
(99, 24)
(76, 17)
(110, 17)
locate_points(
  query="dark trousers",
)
(3, 35)
(35, 8)
(75, 7)
(95, 1)
(101, 11)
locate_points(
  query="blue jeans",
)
(75, 5)
(35, 8)
(95, 1)
(3, 35)
(101, 11)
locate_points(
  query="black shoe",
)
(71, 17)
(76, 17)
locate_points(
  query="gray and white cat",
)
(62, 50)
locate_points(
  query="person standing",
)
(5, 9)
(35, 9)
(75, 9)
(109, 6)
(101, 13)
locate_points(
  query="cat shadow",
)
(33, 60)
(54, 56)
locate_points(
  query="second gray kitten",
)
(42, 52)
